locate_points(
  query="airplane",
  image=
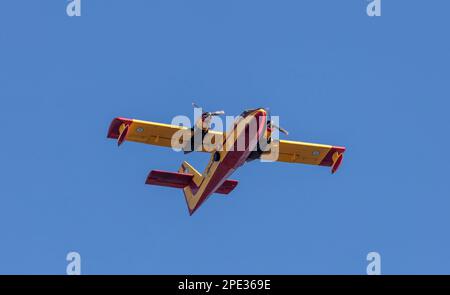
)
(198, 187)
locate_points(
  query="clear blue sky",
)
(379, 86)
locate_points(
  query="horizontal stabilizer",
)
(227, 187)
(181, 180)
(170, 179)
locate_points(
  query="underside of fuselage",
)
(237, 147)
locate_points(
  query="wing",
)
(307, 153)
(153, 133)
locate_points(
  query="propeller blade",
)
(209, 114)
(217, 113)
(281, 129)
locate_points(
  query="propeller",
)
(282, 130)
(206, 115)
(269, 122)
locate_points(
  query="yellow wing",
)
(154, 133)
(306, 153)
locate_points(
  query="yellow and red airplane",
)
(197, 187)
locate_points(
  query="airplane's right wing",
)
(307, 153)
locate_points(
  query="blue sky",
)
(378, 86)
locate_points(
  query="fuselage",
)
(242, 139)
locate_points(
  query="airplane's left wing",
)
(306, 153)
(153, 133)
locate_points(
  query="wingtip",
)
(337, 163)
(114, 127)
(123, 134)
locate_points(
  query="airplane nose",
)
(260, 112)
(260, 116)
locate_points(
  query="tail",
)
(190, 190)
(189, 180)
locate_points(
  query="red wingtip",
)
(336, 164)
(328, 160)
(113, 131)
(122, 135)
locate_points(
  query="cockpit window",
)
(246, 112)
